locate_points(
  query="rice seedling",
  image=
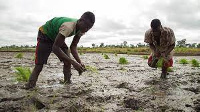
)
(115, 54)
(160, 63)
(195, 63)
(106, 56)
(170, 69)
(19, 55)
(145, 57)
(23, 73)
(123, 60)
(122, 69)
(33, 58)
(81, 53)
(92, 69)
(183, 61)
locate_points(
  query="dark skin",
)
(157, 34)
(83, 25)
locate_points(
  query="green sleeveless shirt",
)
(51, 27)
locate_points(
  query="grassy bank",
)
(127, 50)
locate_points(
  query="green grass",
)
(23, 73)
(123, 60)
(19, 55)
(145, 57)
(183, 61)
(106, 56)
(195, 63)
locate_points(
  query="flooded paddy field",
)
(108, 87)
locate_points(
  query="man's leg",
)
(164, 69)
(67, 66)
(42, 53)
(34, 76)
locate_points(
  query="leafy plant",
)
(33, 58)
(19, 55)
(183, 61)
(170, 69)
(106, 56)
(123, 60)
(92, 69)
(195, 63)
(145, 57)
(23, 73)
(160, 63)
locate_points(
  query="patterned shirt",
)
(167, 38)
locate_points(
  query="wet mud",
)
(109, 87)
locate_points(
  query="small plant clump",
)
(106, 56)
(92, 69)
(195, 63)
(170, 69)
(115, 54)
(23, 73)
(145, 57)
(81, 53)
(123, 60)
(160, 63)
(183, 61)
(19, 55)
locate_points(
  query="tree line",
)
(180, 43)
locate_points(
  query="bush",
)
(23, 73)
(123, 60)
(183, 61)
(19, 55)
(106, 56)
(195, 63)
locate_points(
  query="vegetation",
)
(183, 61)
(92, 69)
(19, 55)
(170, 69)
(182, 48)
(160, 63)
(145, 57)
(23, 73)
(195, 63)
(123, 60)
(106, 56)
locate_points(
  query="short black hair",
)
(90, 16)
(155, 23)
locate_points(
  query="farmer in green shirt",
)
(51, 37)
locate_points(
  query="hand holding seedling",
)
(78, 67)
(84, 69)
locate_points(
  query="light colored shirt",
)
(167, 38)
(68, 29)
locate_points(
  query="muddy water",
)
(110, 88)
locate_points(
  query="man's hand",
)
(163, 54)
(77, 66)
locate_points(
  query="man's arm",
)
(170, 48)
(152, 47)
(59, 41)
(73, 48)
